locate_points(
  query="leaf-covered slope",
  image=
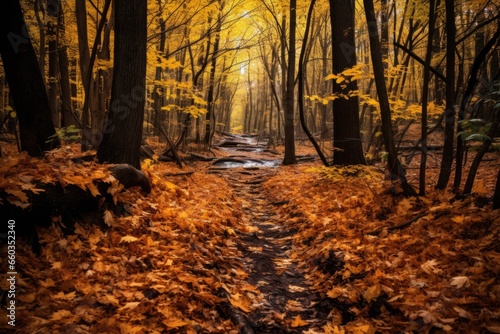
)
(166, 265)
(440, 271)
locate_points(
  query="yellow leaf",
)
(108, 218)
(63, 296)
(128, 238)
(298, 322)
(59, 315)
(129, 306)
(57, 265)
(18, 194)
(372, 293)
(93, 189)
(461, 312)
(458, 219)
(460, 281)
(175, 323)
(241, 303)
(430, 267)
(335, 292)
(360, 328)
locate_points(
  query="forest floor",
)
(244, 245)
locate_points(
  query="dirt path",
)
(267, 259)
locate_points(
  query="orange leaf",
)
(298, 322)
(175, 323)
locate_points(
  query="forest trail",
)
(289, 306)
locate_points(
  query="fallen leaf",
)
(175, 323)
(460, 281)
(335, 292)
(298, 322)
(372, 293)
(128, 238)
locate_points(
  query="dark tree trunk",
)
(346, 129)
(123, 133)
(395, 167)
(425, 94)
(496, 195)
(53, 91)
(68, 116)
(449, 129)
(289, 157)
(25, 81)
(209, 117)
(469, 183)
(469, 91)
(301, 75)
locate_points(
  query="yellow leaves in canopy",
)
(350, 74)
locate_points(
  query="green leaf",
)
(477, 137)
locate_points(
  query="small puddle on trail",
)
(247, 163)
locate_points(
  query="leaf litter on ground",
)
(169, 263)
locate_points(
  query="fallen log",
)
(68, 203)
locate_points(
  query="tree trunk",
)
(481, 152)
(468, 94)
(123, 133)
(496, 195)
(211, 83)
(301, 75)
(425, 94)
(346, 129)
(395, 167)
(449, 130)
(25, 81)
(289, 157)
(53, 91)
(68, 116)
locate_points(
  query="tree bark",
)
(25, 81)
(68, 116)
(471, 85)
(347, 144)
(123, 133)
(449, 129)
(469, 183)
(289, 157)
(496, 195)
(425, 94)
(301, 75)
(209, 117)
(395, 167)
